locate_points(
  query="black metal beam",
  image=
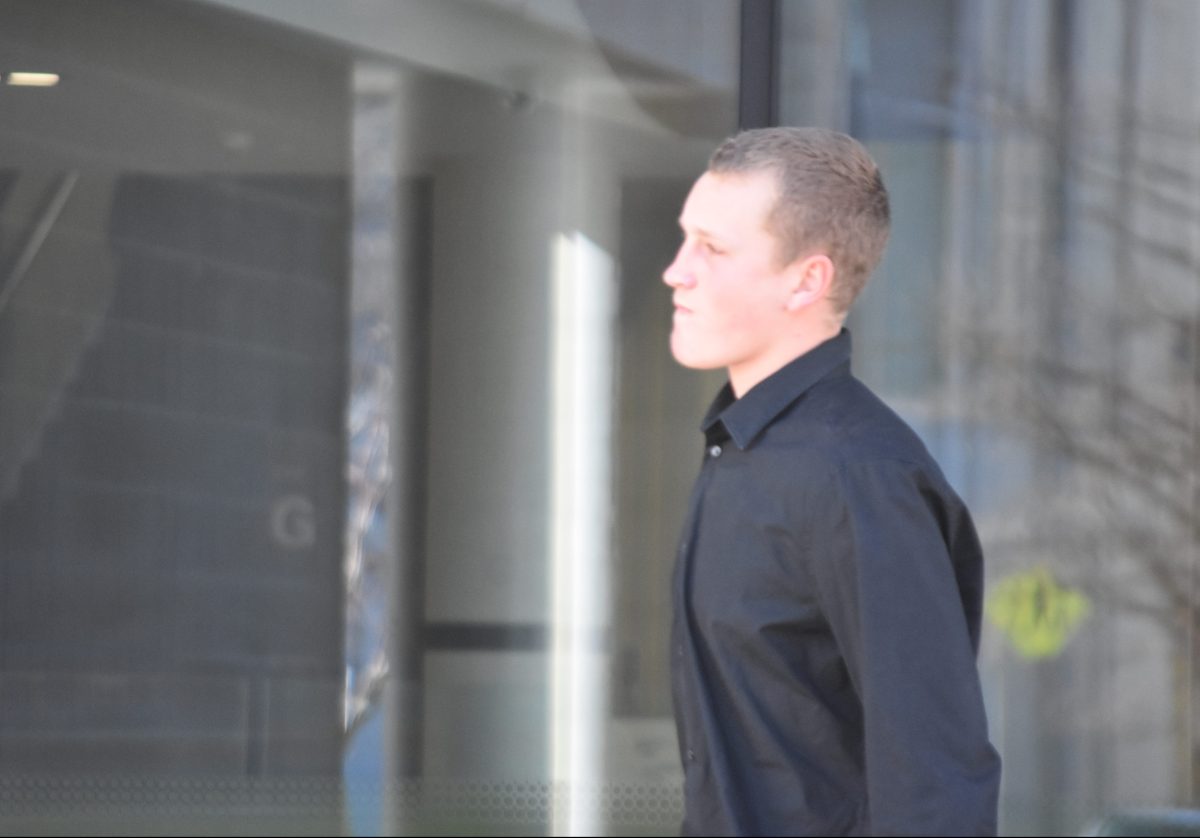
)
(758, 95)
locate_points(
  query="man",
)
(828, 584)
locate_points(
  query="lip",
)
(681, 309)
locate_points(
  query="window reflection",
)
(1035, 319)
(277, 417)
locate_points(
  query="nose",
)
(679, 273)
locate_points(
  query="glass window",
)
(341, 451)
(1035, 318)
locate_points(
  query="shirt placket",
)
(693, 744)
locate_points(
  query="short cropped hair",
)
(830, 195)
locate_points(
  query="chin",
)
(687, 356)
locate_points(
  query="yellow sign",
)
(1035, 612)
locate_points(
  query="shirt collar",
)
(745, 418)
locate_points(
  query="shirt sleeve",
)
(897, 555)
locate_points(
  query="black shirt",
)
(827, 597)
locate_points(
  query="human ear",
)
(810, 280)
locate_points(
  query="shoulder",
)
(843, 425)
(839, 449)
(872, 458)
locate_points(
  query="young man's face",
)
(730, 291)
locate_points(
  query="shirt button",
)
(691, 755)
(715, 451)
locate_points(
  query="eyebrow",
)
(703, 233)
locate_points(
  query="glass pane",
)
(172, 369)
(341, 451)
(1036, 319)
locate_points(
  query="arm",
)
(899, 583)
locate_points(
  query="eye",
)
(713, 249)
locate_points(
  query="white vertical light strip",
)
(584, 310)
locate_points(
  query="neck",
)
(745, 376)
